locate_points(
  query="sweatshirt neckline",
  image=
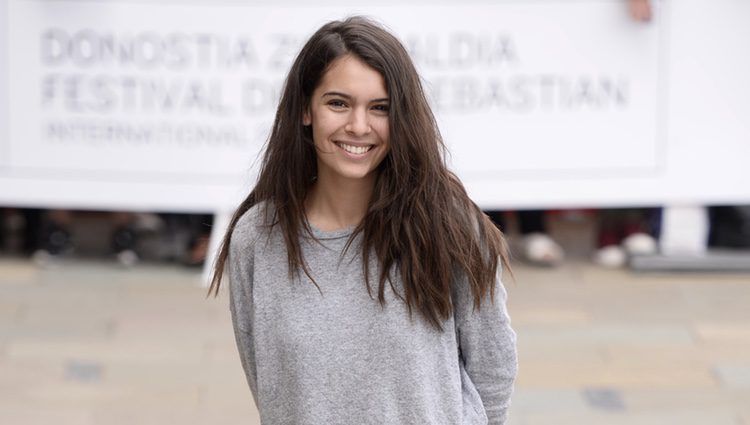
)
(332, 234)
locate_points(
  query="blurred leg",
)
(538, 247)
(55, 237)
(531, 221)
(32, 229)
(124, 238)
(498, 217)
(200, 232)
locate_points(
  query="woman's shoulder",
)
(251, 224)
(253, 217)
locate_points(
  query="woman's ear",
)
(306, 117)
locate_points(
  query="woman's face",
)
(349, 117)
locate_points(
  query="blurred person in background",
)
(353, 202)
(200, 233)
(624, 233)
(55, 238)
(536, 245)
(19, 230)
(729, 226)
(640, 10)
(193, 247)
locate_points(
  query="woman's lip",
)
(355, 144)
(356, 155)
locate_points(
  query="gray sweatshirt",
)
(338, 357)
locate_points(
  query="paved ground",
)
(90, 343)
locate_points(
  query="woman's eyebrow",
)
(349, 97)
(336, 93)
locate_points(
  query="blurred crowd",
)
(621, 234)
(46, 236)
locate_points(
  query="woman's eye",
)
(381, 108)
(337, 104)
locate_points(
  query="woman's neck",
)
(334, 204)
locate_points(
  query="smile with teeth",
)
(357, 150)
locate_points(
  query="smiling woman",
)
(355, 195)
(348, 114)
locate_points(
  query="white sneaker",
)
(127, 258)
(610, 256)
(640, 244)
(42, 258)
(148, 222)
(540, 249)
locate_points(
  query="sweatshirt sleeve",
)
(240, 270)
(487, 348)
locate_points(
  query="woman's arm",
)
(488, 348)
(240, 269)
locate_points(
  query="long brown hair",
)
(420, 222)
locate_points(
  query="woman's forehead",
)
(351, 76)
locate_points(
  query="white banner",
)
(166, 105)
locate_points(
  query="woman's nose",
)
(359, 123)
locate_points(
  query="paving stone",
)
(602, 374)
(609, 333)
(736, 332)
(83, 371)
(231, 398)
(154, 329)
(730, 304)
(535, 351)
(654, 399)
(527, 401)
(606, 399)
(552, 316)
(158, 376)
(726, 351)
(17, 272)
(740, 399)
(43, 415)
(20, 378)
(55, 330)
(684, 355)
(129, 414)
(734, 376)
(63, 393)
(117, 351)
(144, 404)
(682, 417)
(10, 311)
(244, 413)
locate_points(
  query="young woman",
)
(364, 283)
